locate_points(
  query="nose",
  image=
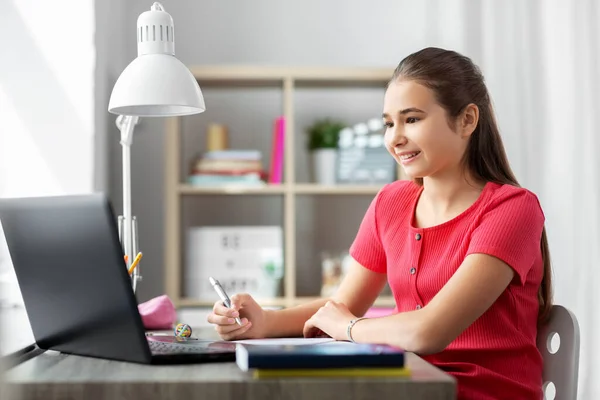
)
(395, 137)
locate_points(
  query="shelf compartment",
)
(325, 223)
(248, 115)
(219, 209)
(224, 212)
(348, 105)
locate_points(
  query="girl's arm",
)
(358, 290)
(477, 283)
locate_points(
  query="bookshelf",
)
(291, 193)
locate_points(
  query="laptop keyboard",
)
(159, 348)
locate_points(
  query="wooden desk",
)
(57, 376)
(53, 375)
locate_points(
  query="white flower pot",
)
(324, 166)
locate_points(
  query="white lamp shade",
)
(156, 85)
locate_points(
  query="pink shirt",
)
(495, 357)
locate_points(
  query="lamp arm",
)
(126, 125)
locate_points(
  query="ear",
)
(468, 120)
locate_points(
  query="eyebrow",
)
(405, 111)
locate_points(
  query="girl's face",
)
(417, 133)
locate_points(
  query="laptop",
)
(77, 293)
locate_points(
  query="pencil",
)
(135, 262)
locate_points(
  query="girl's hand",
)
(253, 318)
(331, 319)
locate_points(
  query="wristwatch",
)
(349, 328)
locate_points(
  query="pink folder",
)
(277, 154)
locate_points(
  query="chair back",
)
(558, 341)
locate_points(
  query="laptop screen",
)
(69, 264)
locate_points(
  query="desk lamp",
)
(155, 84)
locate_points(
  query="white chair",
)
(560, 354)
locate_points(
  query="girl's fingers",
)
(238, 333)
(220, 309)
(232, 328)
(220, 319)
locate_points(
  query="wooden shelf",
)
(290, 82)
(281, 302)
(312, 74)
(185, 189)
(335, 189)
(187, 302)
(306, 188)
(383, 301)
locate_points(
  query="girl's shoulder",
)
(512, 201)
(505, 193)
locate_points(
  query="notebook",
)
(327, 355)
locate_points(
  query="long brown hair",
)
(457, 82)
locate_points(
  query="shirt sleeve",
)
(511, 231)
(367, 248)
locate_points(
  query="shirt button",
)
(418, 236)
(413, 270)
(418, 307)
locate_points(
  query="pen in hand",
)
(221, 292)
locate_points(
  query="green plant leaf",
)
(324, 133)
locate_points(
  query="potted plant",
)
(323, 138)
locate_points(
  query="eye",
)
(411, 120)
(388, 124)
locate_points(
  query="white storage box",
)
(246, 259)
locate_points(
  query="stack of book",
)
(337, 359)
(225, 167)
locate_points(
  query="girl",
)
(462, 246)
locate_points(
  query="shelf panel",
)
(335, 189)
(187, 302)
(383, 301)
(185, 189)
(237, 73)
(309, 74)
(387, 301)
(307, 188)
